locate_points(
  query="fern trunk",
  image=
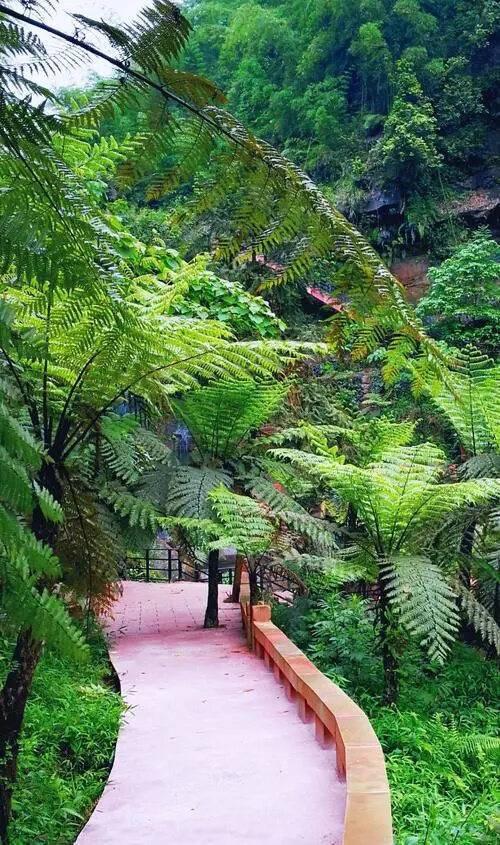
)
(254, 585)
(467, 632)
(212, 612)
(388, 643)
(13, 700)
(235, 594)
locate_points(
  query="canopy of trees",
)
(393, 104)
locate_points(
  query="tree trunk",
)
(254, 585)
(212, 612)
(235, 595)
(467, 632)
(390, 673)
(13, 700)
(388, 640)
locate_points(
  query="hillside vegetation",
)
(391, 104)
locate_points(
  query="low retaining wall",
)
(338, 720)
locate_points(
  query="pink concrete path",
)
(211, 751)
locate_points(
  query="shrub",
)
(67, 748)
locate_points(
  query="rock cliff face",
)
(413, 274)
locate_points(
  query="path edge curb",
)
(338, 721)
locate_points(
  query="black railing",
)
(141, 567)
(225, 574)
(166, 565)
(282, 582)
(162, 564)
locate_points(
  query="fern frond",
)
(275, 499)
(20, 541)
(138, 512)
(246, 528)
(480, 618)
(425, 602)
(16, 440)
(470, 398)
(486, 465)
(50, 508)
(318, 531)
(474, 743)
(221, 416)
(189, 490)
(16, 489)
(340, 570)
(155, 37)
(42, 612)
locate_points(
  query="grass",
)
(440, 742)
(67, 748)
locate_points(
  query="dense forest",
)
(204, 337)
(392, 105)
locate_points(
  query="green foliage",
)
(470, 398)
(189, 489)
(464, 293)
(427, 603)
(136, 511)
(482, 621)
(364, 440)
(269, 204)
(221, 416)
(319, 532)
(407, 152)
(67, 748)
(95, 323)
(212, 298)
(197, 292)
(245, 526)
(337, 632)
(362, 95)
(191, 141)
(24, 559)
(402, 508)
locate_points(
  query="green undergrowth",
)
(440, 741)
(68, 742)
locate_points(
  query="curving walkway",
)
(211, 751)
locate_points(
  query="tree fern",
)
(221, 416)
(470, 398)
(403, 507)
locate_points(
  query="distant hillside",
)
(393, 105)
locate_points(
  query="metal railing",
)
(166, 565)
(142, 567)
(282, 582)
(161, 564)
